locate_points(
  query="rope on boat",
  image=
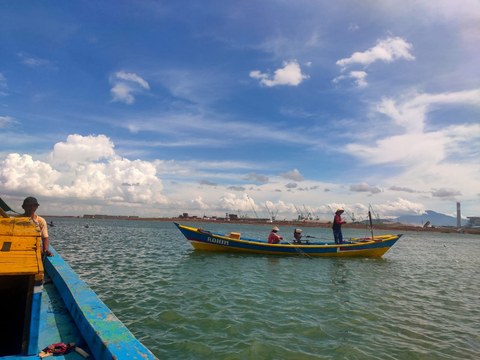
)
(316, 237)
(298, 249)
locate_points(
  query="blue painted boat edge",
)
(35, 319)
(106, 336)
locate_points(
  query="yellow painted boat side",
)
(20, 252)
(379, 252)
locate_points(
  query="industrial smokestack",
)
(459, 216)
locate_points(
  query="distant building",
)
(473, 221)
(111, 217)
(258, 219)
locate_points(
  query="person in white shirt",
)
(30, 205)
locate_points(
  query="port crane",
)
(242, 216)
(300, 213)
(374, 214)
(272, 215)
(308, 213)
(314, 215)
(351, 216)
(253, 207)
(329, 208)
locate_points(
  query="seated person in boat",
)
(337, 226)
(30, 205)
(273, 238)
(297, 234)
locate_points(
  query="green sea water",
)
(420, 301)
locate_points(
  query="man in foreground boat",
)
(273, 238)
(30, 205)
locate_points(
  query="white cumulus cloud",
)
(22, 174)
(292, 175)
(442, 156)
(6, 121)
(411, 113)
(198, 204)
(107, 181)
(399, 207)
(352, 27)
(290, 74)
(95, 173)
(364, 187)
(229, 201)
(134, 78)
(358, 76)
(81, 149)
(386, 50)
(445, 193)
(3, 85)
(256, 177)
(3, 81)
(33, 61)
(125, 85)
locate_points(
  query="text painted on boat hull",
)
(218, 241)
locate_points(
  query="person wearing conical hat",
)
(337, 226)
(274, 238)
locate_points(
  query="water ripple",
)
(421, 301)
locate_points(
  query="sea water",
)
(420, 301)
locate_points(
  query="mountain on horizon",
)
(435, 219)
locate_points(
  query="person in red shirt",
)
(337, 226)
(273, 238)
(297, 234)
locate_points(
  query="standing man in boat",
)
(30, 205)
(337, 226)
(273, 238)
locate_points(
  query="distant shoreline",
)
(313, 224)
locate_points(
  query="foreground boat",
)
(45, 303)
(362, 247)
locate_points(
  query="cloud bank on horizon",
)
(337, 110)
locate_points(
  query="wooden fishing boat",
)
(45, 303)
(361, 247)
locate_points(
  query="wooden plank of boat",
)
(21, 276)
(366, 247)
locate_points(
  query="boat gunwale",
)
(107, 337)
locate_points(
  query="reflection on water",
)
(339, 272)
(419, 301)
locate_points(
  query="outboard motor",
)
(297, 234)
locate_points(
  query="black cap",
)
(30, 201)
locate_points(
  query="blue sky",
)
(158, 108)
